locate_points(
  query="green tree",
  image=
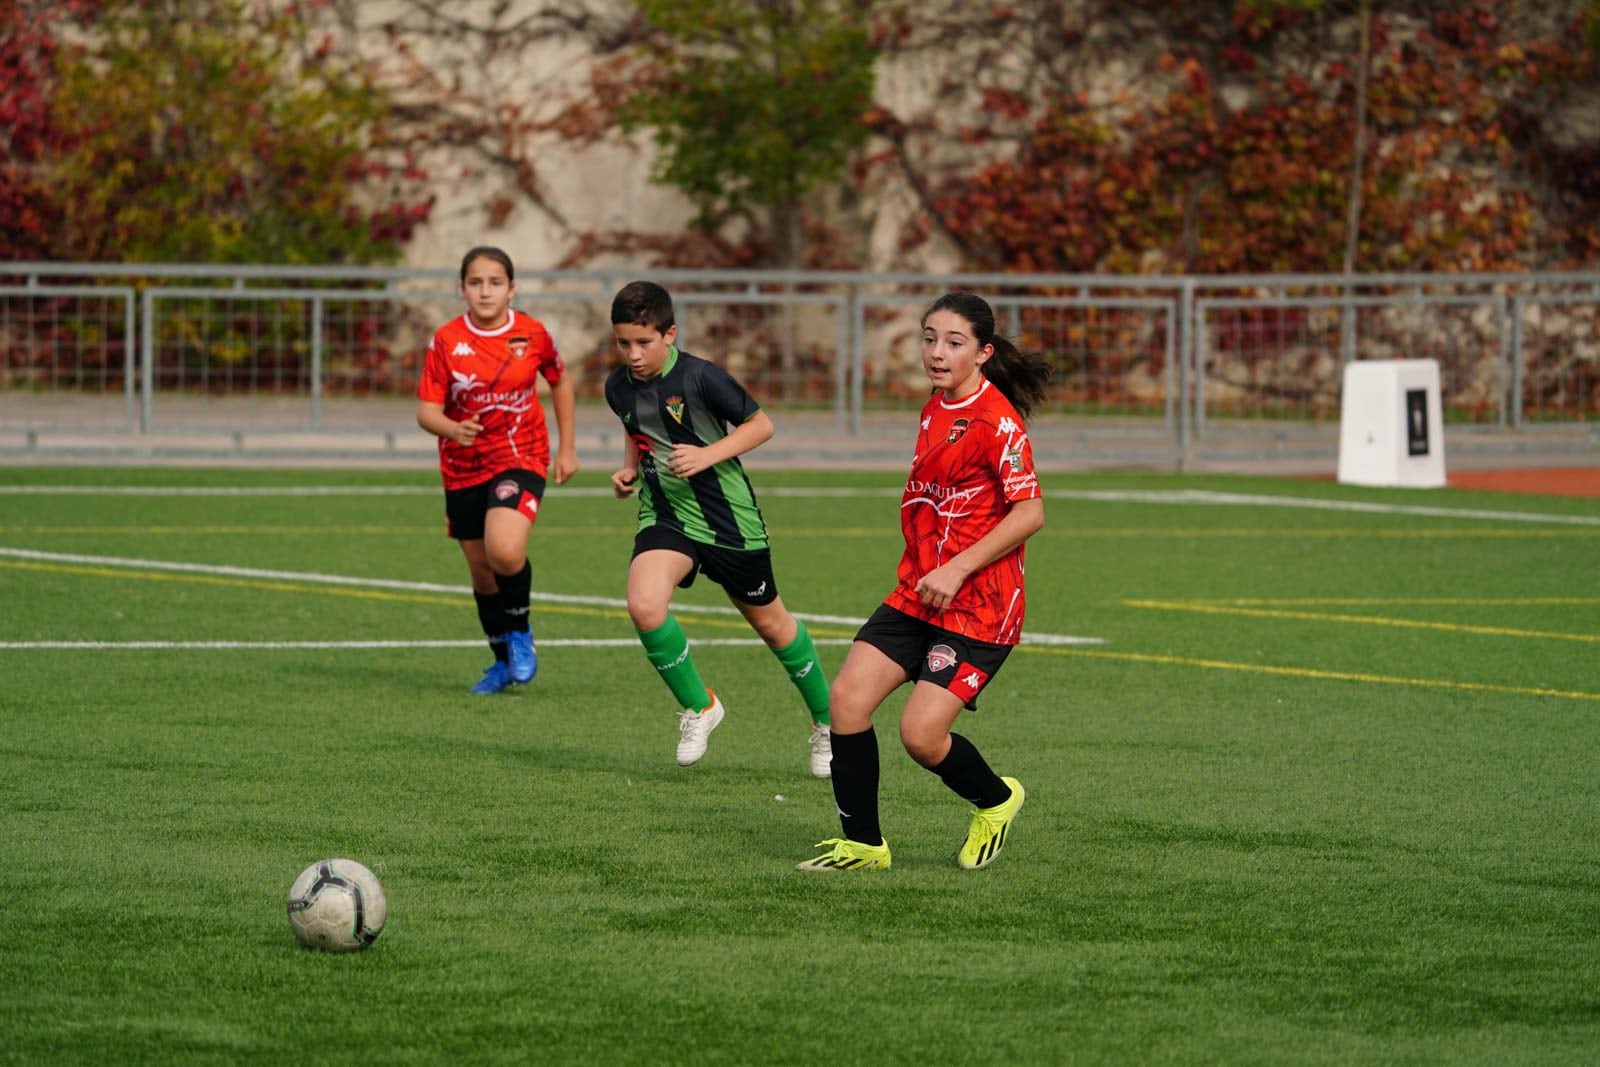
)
(752, 105)
(209, 130)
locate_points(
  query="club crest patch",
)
(506, 490)
(1014, 459)
(518, 346)
(675, 409)
(957, 428)
(940, 658)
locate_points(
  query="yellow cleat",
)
(843, 855)
(990, 826)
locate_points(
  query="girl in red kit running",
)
(971, 500)
(477, 395)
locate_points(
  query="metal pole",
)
(1186, 353)
(316, 363)
(147, 358)
(841, 359)
(1514, 401)
(858, 330)
(130, 363)
(1169, 422)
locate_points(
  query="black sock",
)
(969, 777)
(515, 590)
(491, 619)
(855, 785)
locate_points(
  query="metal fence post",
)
(1186, 354)
(130, 364)
(1514, 400)
(147, 357)
(841, 358)
(316, 363)
(858, 329)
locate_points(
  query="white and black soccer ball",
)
(337, 905)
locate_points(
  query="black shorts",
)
(745, 574)
(465, 509)
(927, 653)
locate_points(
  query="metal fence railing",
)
(171, 348)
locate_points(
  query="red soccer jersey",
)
(973, 461)
(490, 375)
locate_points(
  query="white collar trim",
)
(511, 318)
(959, 404)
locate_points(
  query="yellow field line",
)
(1411, 601)
(1310, 672)
(1122, 533)
(1364, 620)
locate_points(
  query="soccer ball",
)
(337, 905)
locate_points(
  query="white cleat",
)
(694, 730)
(821, 751)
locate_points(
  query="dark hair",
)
(488, 252)
(643, 304)
(1021, 376)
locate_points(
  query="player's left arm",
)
(563, 397)
(688, 460)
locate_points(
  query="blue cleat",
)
(524, 660)
(496, 677)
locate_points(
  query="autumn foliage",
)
(1229, 148)
(195, 132)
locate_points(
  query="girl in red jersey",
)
(971, 500)
(477, 396)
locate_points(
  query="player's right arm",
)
(626, 479)
(431, 417)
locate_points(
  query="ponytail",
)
(1022, 377)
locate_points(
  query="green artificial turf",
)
(1325, 793)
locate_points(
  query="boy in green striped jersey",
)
(687, 422)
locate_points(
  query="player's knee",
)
(776, 631)
(847, 711)
(646, 613)
(922, 744)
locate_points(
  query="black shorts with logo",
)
(465, 509)
(927, 653)
(746, 575)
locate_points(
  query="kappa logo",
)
(1006, 426)
(926, 421)
(462, 349)
(941, 658)
(675, 409)
(969, 680)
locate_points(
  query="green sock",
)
(668, 651)
(799, 658)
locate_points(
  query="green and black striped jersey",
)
(691, 402)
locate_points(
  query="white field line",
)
(1204, 497)
(311, 577)
(1263, 500)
